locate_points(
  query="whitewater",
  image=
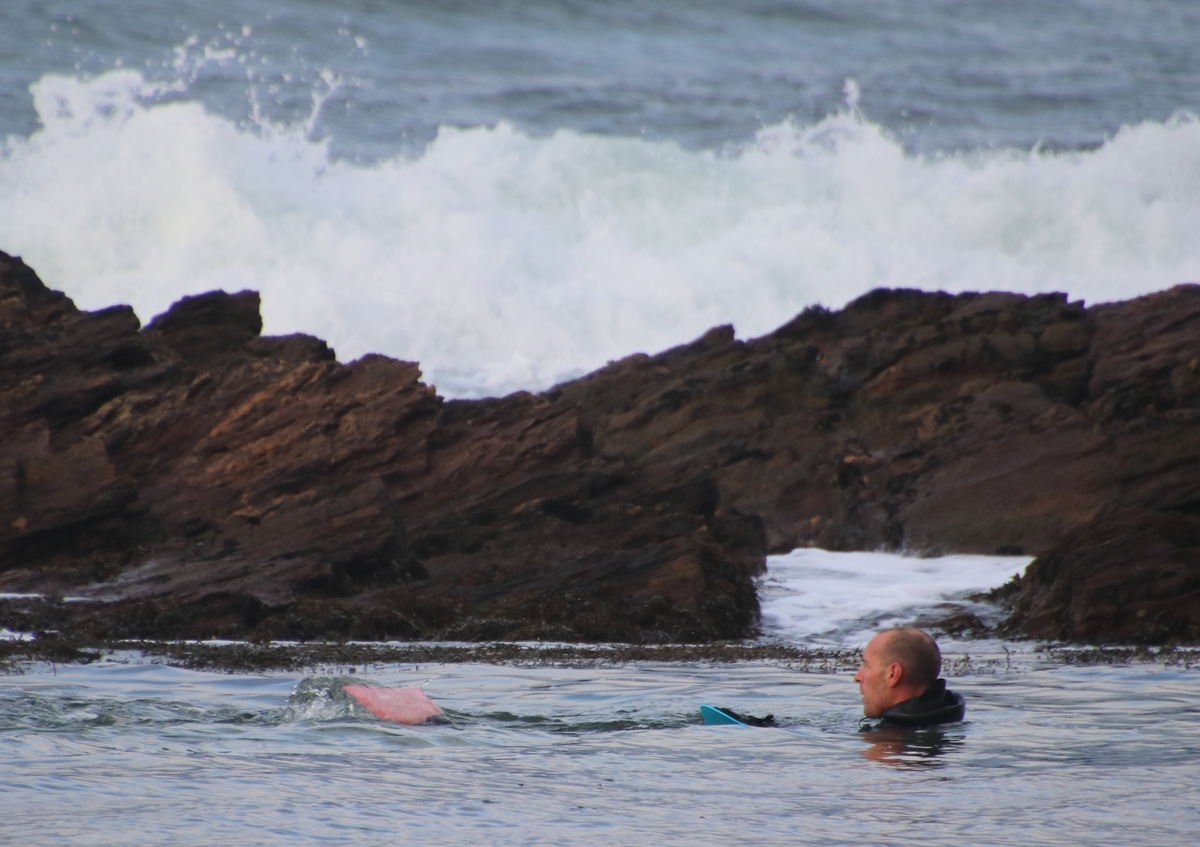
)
(503, 260)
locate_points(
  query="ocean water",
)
(514, 193)
(118, 753)
(131, 750)
(820, 598)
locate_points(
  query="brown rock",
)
(194, 479)
(1132, 575)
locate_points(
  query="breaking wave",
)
(504, 261)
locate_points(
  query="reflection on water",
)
(903, 747)
(592, 755)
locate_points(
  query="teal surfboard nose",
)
(714, 716)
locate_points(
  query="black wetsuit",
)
(749, 720)
(936, 705)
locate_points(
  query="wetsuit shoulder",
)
(937, 705)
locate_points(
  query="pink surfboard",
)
(400, 705)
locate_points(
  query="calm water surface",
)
(129, 751)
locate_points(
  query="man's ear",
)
(895, 673)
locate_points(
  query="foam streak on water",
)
(504, 261)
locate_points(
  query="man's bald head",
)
(915, 651)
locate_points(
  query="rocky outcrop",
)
(1132, 572)
(195, 479)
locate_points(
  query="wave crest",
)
(504, 261)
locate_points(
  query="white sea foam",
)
(812, 596)
(502, 261)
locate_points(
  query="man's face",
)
(873, 679)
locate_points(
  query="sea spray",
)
(503, 261)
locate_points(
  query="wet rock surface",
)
(195, 479)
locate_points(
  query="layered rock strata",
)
(192, 478)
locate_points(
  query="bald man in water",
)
(899, 681)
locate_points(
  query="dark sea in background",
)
(938, 75)
(512, 194)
